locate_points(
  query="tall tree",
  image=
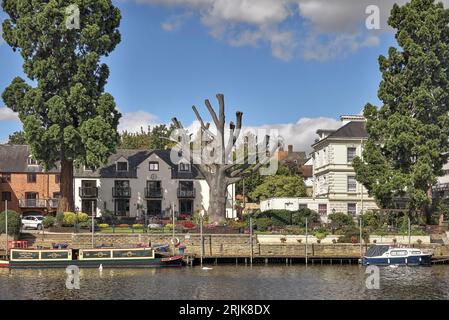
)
(409, 134)
(157, 137)
(67, 116)
(215, 157)
(17, 137)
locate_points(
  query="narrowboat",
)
(92, 258)
(387, 255)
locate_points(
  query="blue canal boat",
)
(388, 255)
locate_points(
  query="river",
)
(230, 282)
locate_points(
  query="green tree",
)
(279, 186)
(154, 138)
(67, 117)
(409, 134)
(18, 138)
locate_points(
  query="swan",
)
(100, 268)
(207, 268)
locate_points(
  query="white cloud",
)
(313, 29)
(134, 121)
(7, 114)
(175, 22)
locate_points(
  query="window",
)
(351, 153)
(322, 209)
(122, 207)
(56, 195)
(184, 167)
(6, 196)
(5, 177)
(352, 209)
(122, 166)
(352, 184)
(31, 178)
(32, 162)
(58, 179)
(302, 206)
(154, 166)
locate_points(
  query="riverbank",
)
(223, 247)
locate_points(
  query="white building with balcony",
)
(335, 188)
(135, 182)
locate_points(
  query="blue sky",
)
(289, 69)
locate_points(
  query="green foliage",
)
(103, 225)
(66, 116)
(262, 224)
(83, 217)
(49, 221)
(154, 138)
(352, 235)
(409, 134)
(197, 219)
(60, 218)
(109, 217)
(14, 222)
(69, 219)
(279, 186)
(88, 224)
(340, 220)
(18, 138)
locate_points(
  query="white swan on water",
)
(100, 268)
(207, 268)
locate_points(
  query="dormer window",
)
(122, 166)
(32, 161)
(154, 166)
(184, 167)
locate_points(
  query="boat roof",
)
(377, 250)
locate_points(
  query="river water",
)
(230, 282)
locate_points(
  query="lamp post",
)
(6, 225)
(93, 224)
(306, 239)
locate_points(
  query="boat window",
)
(416, 252)
(398, 253)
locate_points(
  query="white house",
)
(135, 182)
(335, 188)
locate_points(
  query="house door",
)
(154, 208)
(186, 207)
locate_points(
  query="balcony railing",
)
(153, 192)
(88, 192)
(441, 187)
(121, 192)
(186, 193)
(32, 203)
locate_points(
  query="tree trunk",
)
(66, 202)
(217, 199)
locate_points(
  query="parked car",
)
(32, 222)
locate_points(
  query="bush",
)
(60, 218)
(109, 217)
(103, 225)
(188, 224)
(197, 218)
(49, 221)
(14, 223)
(262, 224)
(340, 219)
(82, 217)
(353, 235)
(320, 235)
(123, 225)
(299, 218)
(88, 224)
(69, 219)
(138, 226)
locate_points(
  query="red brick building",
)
(28, 188)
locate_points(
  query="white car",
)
(34, 222)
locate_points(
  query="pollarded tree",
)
(67, 116)
(409, 135)
(213, 153)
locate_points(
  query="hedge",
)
(14, 223)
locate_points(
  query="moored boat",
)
(4, 264)
(92, 258)
(387, 255)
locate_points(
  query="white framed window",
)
(352, 184)
(352, 209)
(32, 161)
(351, 153)
(154, 166)
(322, 209)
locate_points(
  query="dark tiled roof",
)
(353, 129)
(299, 156)
(14, 158)
(135, 158)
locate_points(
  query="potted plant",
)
(283, 240)
(299, 240)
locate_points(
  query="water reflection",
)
(229, 282)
